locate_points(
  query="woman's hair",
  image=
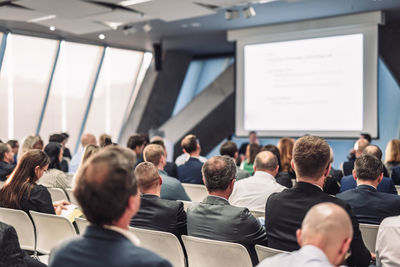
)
(104, 140)
(88, 152)
(392, 152)
(254, 149)
(31, 142)
(22, 179)
(285, 146)
(53, 150)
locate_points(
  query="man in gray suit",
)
(215, 218)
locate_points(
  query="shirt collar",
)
(128, 234)
(263, 175)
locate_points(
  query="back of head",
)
(266, 161)
(158, 142)
(274, 149)
(311, 156)
(87, 139)
(366, 136)
(104, 140)
(189, 143)
(56, 138)
(392, 152)
(218, 172)
(31, 142)
(153, 153)
(4, 148)
(105, 183)
(13, 143)
(147, 176)
(360, 145)
(135, 141)
(374, 151)
(53, 150)
(368, 167)
(228, 148)
(285, 146)
(88, 152)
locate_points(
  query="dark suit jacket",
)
(385, 186)
(39, 200)
(5, 170)
(285, 179)
(285, 211)
(161, 214)
(396, 175)
(100, 247)
(214, 218)
(190, 172)
(369, 205)
(170, 168)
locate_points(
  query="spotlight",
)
(147, 27)
(52, 28)
(249, 12)
(231, 14)
(102, 36)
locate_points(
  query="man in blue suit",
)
(190, 172)
(107, 192)
(369, 205)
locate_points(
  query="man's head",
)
(88, 139)
(6, 153)
(155, 154)
(106, 187)
(311, 156)
(230, 149)
(148, 179)
(374, 151)
(190, 145)
(253, 137)
(14, 146)
(267, 162)
(328, 227)
(359, 146)
(219, 174)
(59, 138)
(368, 168)
(366, 136)
(136, 142)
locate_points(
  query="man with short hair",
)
(190, 172)
(171, 188)
(15, 148)
(369, 205)
(170, 167)
(6, 161)
(253, 139)
(229, 148)
(215, 218)
(285, 211)
(107, 193)
(185, 156)
(324, 238)
(156, 213)
(253, 192)
(86, 139)
(137, 143)
(359, 146)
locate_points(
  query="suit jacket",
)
(102, 247)
(5, 170)
(284, 178)
(385, 186)
(190, 172)
(369, 205)
(39, 200)
(170, 168)
(396, 175)
(348, 167)
(161, 215)
(286, 210)
(214, 218)
(171, 188)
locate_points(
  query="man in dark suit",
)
(107, 192)
(359, 147)
(190, 172)
(156, 213)
(369, 205)
(285, 211)
(215, 218)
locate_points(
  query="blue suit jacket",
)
(385, 186)
(102, 247)
(369, 205)
(190, 172)
(396, 175)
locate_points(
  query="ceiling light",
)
(52, 28)
(129, 29)
(231, 14)
(147, 27)
(132, 2)
(249, 12)
(42, 18)
(102, 36)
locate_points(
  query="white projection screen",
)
(314, 77)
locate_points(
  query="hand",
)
(61, 204)
(57, 210)
(373, 256)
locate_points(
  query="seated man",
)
(86, 139)
(286, 210)
(229, 148)
(107, 193)
(387, 242)
(369, 205)
(6, 161)
(190, 171)
(214, 218)
(171, 187)
(156, 213)
(359, 146)
(253, 192)
(324, 238)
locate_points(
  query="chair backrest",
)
(369, 233)
(258, 213)
(164, 244)
(398, 189)
(50, 230)
(266, 252)
(22, 224)
(186, 204)
(82, 224)
(57, 194)
(196, 192)
(71, 197)
(211, 253)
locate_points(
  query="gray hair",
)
(218, 172)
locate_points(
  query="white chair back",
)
(266, 252)
(211, 253)
(398, 189)
(57, 194)
(186, 204)
(369, 233)
(196, 192)
(23, 226)
(50, 230)
(258, 214)
(164, 244)
(82, 224)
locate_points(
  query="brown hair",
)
(253, 151)
(147, 176)
(218, 172)
(189, 143)
(285, 146)
(392, 152)
(153, 153)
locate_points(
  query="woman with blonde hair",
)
(392, 155)
(285, 146)
(89, 151)
(31, 142)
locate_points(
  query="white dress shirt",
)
(254, 191)
(387, 242)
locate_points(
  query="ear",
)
(344, 248)
(292, 163)
(327, 170)
(235, 156)
(298, 237)
(37, 169)
(254, 168)
(276, 170)
(354, 174)
(380, 178)
(232, 184)
(160, 180)
(184, 151)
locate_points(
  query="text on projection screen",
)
(304, 85)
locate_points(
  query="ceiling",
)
(197, 26)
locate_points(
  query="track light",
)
(147, 27)
(249, 12)
(231, 14)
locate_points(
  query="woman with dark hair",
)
(21, 190)
(54, 177)
(251, 152)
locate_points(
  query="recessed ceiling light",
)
(42, 18)
(132, 2)
(102, 36)
(52, 28)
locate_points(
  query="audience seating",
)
(196, 192)
(57, 194)
(71, 196)
(164, 244)
(398, 189)
(82, 224)
(50, 230)
(186, 204)
(266, 252)
(369, 233)
(258, 214)
(211, 253)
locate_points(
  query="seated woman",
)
(392, 155)
(21, 190)
(251, 152)
(87, 153)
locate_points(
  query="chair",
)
(258, 213)
(57, 194)
(164, 244)
(266, 252)
(186, 204)
(398, 189)
(50, 230)
(196, 192)
(82, 224)
(211, 253)
(369, 233)
(71, 196)
(23, 226)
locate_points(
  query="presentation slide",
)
(304, 85)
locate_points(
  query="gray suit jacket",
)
(214, 218)
(172, 188)
(241, 174)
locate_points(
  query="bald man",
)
(86, 139)
(359, 146)
(324, 238)
(254, 191)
